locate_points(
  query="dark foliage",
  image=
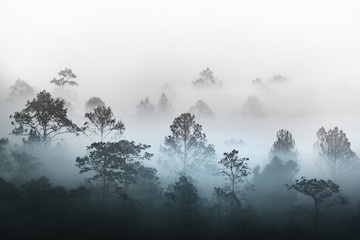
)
(44, 117)
(64, 79)
(318, 190)
(113, 163)
(335, 148)
(102, 123)
(235, 170)
(186, 148)
(284, 146)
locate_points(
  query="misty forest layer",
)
(60, 179)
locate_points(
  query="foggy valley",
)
(218, 120)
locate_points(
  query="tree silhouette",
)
(102, 123)
(284, 146)
(64, 79)
(184, 194)
(335, 148)
(206, 79)
(164, 106)
(21, 89)
(186, 147)
(201, 110)
(253, 107)
(257, 82)
(93, 103)
(45, 117)
(5, 164)
(37, 189)
(220, 199)
(24, 166)
(318, 190)
(278, 78)
(235, 169)
(145, 107)
(270, 195)
(113, 162)
(32, 139)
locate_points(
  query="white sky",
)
(149, 41)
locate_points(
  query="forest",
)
(73, 169)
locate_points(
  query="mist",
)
(275, 65)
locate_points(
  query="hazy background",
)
(124, 51)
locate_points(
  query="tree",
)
(220, 199)
(318, 190)
(8, 193)
(270, 196)
(21, 89)
(102, 122)
(113, 162)
(32, 139)
(257, 82)
(186, 198)
(201, 110)
(284, 146)
(37, 189)
(335, 148)
(184, 192)
(145, 108)
(44, 116)
(206, 79)
(235, 169)
(186, 148)
(164, 106)
(5, 164)
(278, 78)
(253, 107)
(24, 166)
(3, 143)
(147, 183)
(64, 79)
(93, 103)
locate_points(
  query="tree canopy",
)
(235, 169)
(64, 79)
(206, 79)
(335, 148)
(284, 146)
(186, 148)
(253, 107)
(164, 106)
(21, 89)
(201, 109)
(145, 107)
(44, 116)
(93, 103)
(318, 190)
(113, 162)
(102, 123)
